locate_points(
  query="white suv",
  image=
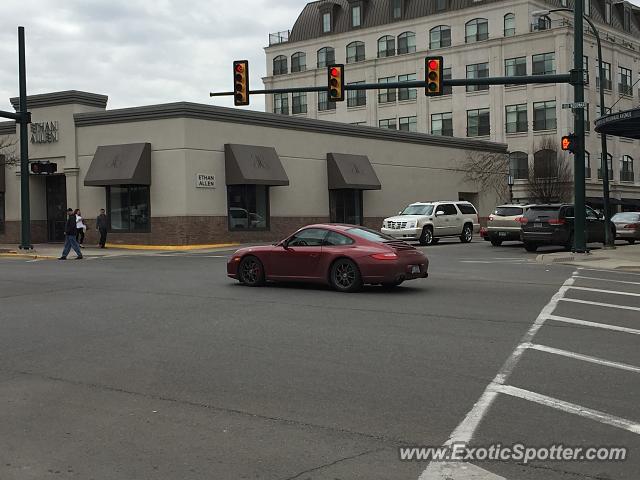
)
(427, 222)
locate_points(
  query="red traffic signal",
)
(241, 83)
(568, 143)
(433, 76)
(336, 83)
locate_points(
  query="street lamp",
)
(608, 241)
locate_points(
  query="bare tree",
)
(551, 178)
(489, 171)
(8, 151)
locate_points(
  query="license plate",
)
(415, 268)
(537, 225)
(502, 234)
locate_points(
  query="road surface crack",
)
(335, 462)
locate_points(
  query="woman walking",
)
(80, 227)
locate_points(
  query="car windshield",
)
(508, 211)
(418, 210)
(626, 217)
(370, 235)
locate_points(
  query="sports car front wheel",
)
(251, 272)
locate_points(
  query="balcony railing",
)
(279, 37)
(587, 172)
(600, 174)
(517, 127)
(549, 24)
(626, 176)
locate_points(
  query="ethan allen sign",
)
(204, 180)
(44, 132)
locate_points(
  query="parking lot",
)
(158, 366)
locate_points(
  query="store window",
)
(345, 206)
(248, 207)
(128, 208)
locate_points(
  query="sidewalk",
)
(54, 250)
(623, 257)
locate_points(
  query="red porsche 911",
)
(343, 256)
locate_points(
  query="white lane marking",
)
(586, 323)
(569, 407)
(492, 261)
(35, 260)
(457, 471)
(606, 280)
(615, 272)
(465, 430)
(584, 358)
(600, 304)
(214, 256)
(600, 290)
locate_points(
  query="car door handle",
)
(314, 255)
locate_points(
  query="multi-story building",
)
(387, 40)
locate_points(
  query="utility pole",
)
(579, 241)
(25, 240)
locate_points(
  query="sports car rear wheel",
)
(251, 272)
(345, 276)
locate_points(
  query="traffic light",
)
(569, 143)
(336, 83)
(433, 74)
(241, 83)
(47, 168)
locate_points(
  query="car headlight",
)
(411, 224)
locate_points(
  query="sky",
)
(139, 52)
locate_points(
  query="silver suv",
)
(504, 225)
(427, 222)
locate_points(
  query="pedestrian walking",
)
(70, 232)
(81, 228)
(102, 226)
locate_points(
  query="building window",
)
(326, 56)
(544, 115)
(298, 102)
(544, 64)
(2, 214)
(626, 172)
(386, 46)
(128, 208)
(248, 207)
(587, 7)
(356, 98)
(406, 43)
(326, 22)
(407, 93)
(345, 206)
(355, 52)
(519, 165)
(627, 19)
(440, 37)
(408, 124)
(509, 25)
(281, 103)
(609, 166)
(446, 75)
(478, 70)
(280, 65)
(516, 118)
(388, 95)
(298, 62)
(544, 23)
(476, 30)
(442, 124)
(607, 76)
(356, 16)
(625, 85)
(323, 102)
(478, 122)
(441, 5)
(585, 67)
(587, 122)
(545, 164)
(389, 123)
(587, 164)
(358, 123)
(564, 3)
(396, 9)
(607, 12)
(515, 67)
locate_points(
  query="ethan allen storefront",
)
(186, 173)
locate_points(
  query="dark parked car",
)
(627, 226)
(553, 225)
(343, 256)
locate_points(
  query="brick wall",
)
(12, 232)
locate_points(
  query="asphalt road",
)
(161, 367)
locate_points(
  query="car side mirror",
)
(400, 212)
(439, 212)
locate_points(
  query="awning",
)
(3, 167)
(621, 124)
(128, 164)
(351, 171)
(253, 165)
(631, 202)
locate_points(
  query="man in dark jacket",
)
(102, 226)
(70, 232)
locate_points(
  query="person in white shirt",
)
(80, 227)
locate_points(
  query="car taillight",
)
(384, 256)
(522, 220)
(631, 226)
(556, 221)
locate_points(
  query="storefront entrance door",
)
(56, 207)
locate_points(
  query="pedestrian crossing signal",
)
(433, 74)
(568, 143)
(241, 83)
(336, 83)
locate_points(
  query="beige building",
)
(185, 173)
(387, 40)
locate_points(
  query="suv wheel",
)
(530, 247)
(496, 242)
(467, 234)
(427, 236)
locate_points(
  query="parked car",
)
(503, 224)
(343, 256)
(552, 224)
(627, 226)
(427, 222)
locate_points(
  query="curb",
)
(26, 255)
(171, 248)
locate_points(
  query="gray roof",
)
(8, 128)
(63, 98)
(378, 12)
